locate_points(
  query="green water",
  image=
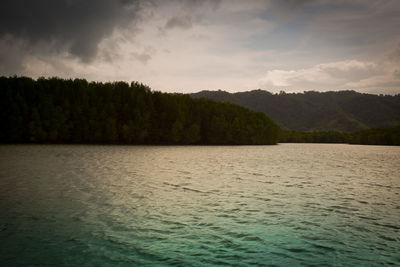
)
(285, 205)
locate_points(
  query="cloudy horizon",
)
(189, 46)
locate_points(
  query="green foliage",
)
(382, 136)
(313, 137)
(388, 136)
(74, 111)
(343, 111)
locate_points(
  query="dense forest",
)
(343, 111)
(75, 111)
(384, 136)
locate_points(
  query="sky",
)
(189, 46)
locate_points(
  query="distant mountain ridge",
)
(320, 111)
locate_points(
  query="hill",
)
(76, 111)
(344, 111)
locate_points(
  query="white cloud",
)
(341, 75)
(233, 45)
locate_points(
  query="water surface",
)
(285, 205)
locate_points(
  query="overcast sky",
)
(188, 46)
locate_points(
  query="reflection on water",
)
(292, 204)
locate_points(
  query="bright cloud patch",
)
(349, 74)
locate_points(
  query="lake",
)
(284, 205)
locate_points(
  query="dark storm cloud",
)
(75, 26)
(184, 22)
(10, 56)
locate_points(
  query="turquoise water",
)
(285, 205)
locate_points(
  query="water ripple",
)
(285, 205)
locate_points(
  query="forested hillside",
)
(75, 111)
(314, 111)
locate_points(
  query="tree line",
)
(58, 110)
(375, 136)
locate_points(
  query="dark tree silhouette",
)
(74, 111)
